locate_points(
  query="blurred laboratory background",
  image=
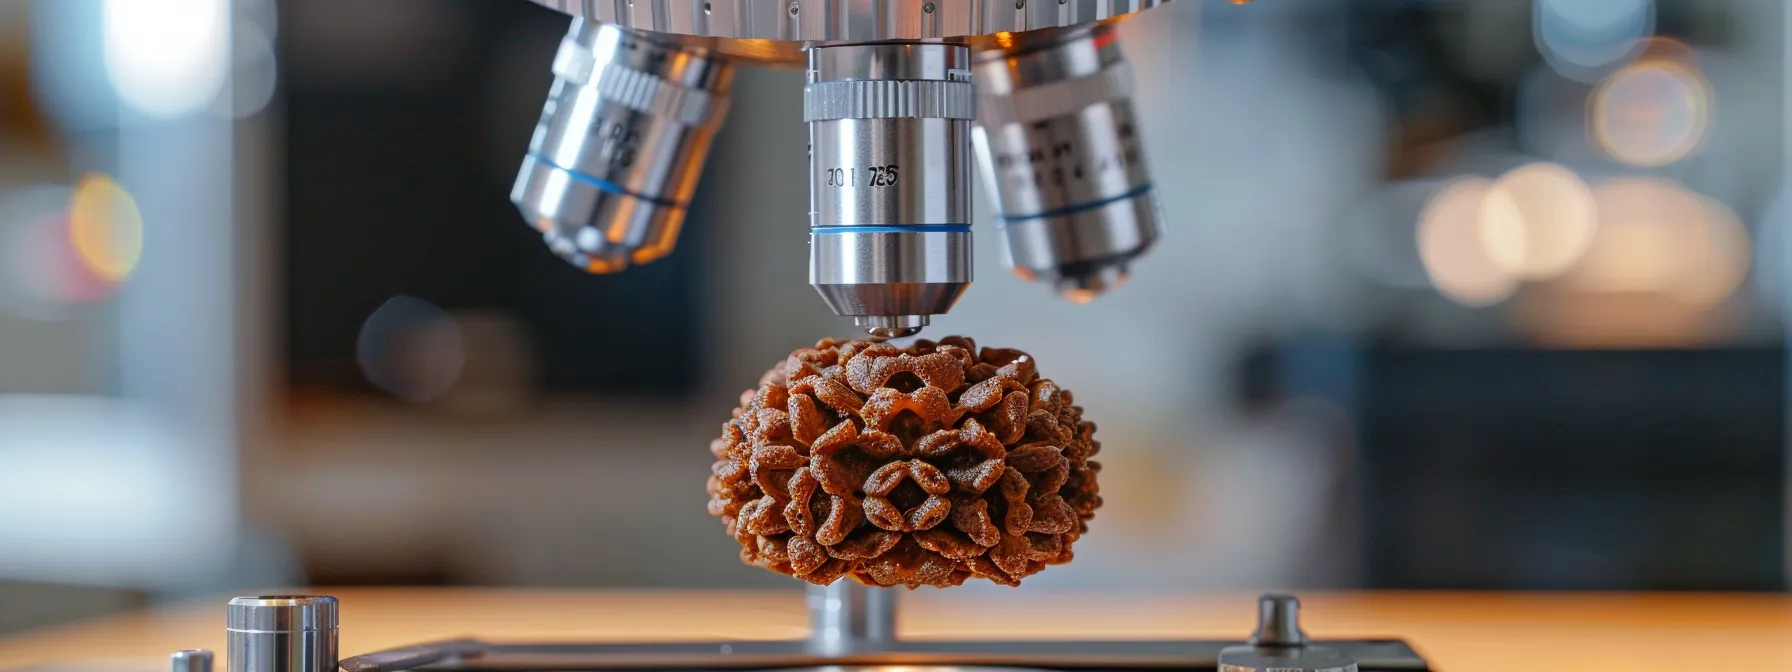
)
(1467, 294)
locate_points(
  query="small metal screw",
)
(1020, 3)
(1063, 2)
(705, 9)
(928, 8)
(793, 9)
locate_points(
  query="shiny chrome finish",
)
(889, 281)
(890, 200)
(775, 30)
(190, 660)
(892, 326)
(1061, 154)
(282, 633)
(847, 616)
(620, 146)
(1279, 645)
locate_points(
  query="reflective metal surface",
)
(621, 143)
(1061, 154)
(889, 281)
(1279, 645)
(890, 200)
(190, 660)
(1304, 659)
(282, 633)
(847, 616)
(775, 30)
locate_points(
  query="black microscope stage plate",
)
(1383, 655)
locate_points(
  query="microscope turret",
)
(897, 96)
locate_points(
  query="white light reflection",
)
(1537, 220)
(96, 491)
(167, 58)
(1450, 244)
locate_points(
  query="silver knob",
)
(1278, 621)
(191, 660)
(282, 633)
(1278, 645)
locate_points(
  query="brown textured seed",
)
(905, 466)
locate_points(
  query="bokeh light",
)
(50, 268)
(105, 228)
(257, 70)
(1668, 49)
(1717, 256)
(1537, 220)
(1452, 249)
(41, 273)
(1651, 113)
(412, 349)
(1582, 39)
(1640, 227)
(1656, 236)
(167, 58)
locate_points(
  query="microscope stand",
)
(853, 627)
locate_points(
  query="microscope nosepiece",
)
(1062, 157)
(889, 171)
(620, 145)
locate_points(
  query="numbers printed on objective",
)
(617, 141)
(1058, 163)
(875, 176)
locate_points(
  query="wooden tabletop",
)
(1457, 632)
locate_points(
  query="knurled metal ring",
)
(635, 90)
(846, 20)
(1057, 99)
(873, 99)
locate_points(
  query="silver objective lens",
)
(282, 633)
(1061, 154)
(620, 145)
(890, 193)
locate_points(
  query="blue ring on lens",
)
(1081, 207)
(899, 228)
(604, 185)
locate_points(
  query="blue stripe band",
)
(603, 185)
(1081, 207)
(910, 228)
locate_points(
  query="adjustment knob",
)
(282, 633)
(1278, 621)
(1279, 645)
(190, 660)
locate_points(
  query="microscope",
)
(897, 96)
